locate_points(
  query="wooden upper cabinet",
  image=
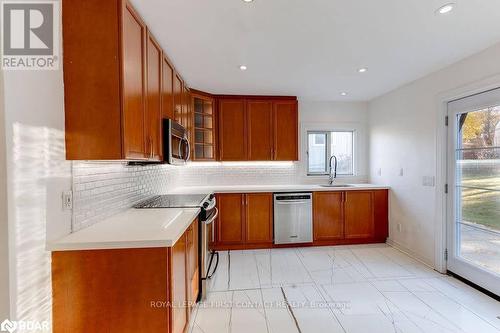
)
(177, 98)
(286, 139)
(232, 130)
(153, 105)
(359, 214)
(117, 84)
(230, 224)
(179, 285)
(167, 90)
(133, 68)
(259, 218)
(92, 87)
(258, 129)
(328, 216)
(187, 119)
(204, 127)
(260, 134)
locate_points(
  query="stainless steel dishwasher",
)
(292, 218)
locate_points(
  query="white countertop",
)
(134, 228)
(272, 188)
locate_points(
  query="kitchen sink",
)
(336, 185)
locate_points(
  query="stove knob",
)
(205, 205)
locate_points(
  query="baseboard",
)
(409, 253)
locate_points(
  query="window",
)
(321, 145)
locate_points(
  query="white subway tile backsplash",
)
(244, 174)
(102, 189)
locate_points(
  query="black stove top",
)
(174, 201)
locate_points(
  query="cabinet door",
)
(178, 278)
(259, 218)
(133, 35)
(167, 90)
(153, 105)
(328, 221)
(230, 224)
(192, 263)
(232, 130)
(259, 124)
(286, 131)
(359, 214)
(187, 116)
(177, 98)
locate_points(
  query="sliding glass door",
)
(474, 189)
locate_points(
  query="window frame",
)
(328, 152)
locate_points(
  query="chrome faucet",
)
(333, 171)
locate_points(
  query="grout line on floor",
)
(290, 310)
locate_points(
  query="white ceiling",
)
(313, 48)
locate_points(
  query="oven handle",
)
(212, 204)
(212, 218)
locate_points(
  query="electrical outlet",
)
(379, 172)
(399, 227)
(67, 200)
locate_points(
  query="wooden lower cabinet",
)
(179, 285)
(259, 218)
(350, 217)
(231, 222)
(192, 264)
(125, 290)
(245, 221)
(328, 216)
(359, 214)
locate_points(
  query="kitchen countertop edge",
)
(82, 240)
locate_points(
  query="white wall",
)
(4, 245)
(37, 173)
(403, 134)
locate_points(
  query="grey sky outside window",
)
(338, 143)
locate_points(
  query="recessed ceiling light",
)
(247, 1)
(343, 93)
(362, 70)
(445, 9)
(243, 67)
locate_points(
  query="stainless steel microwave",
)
(176, 147)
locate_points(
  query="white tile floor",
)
(370, 288)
